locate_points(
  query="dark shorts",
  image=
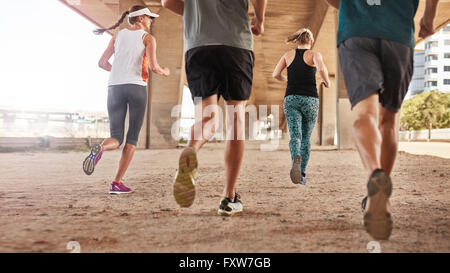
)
(223, 70)
(373, 65)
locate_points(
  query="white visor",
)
(145, 11)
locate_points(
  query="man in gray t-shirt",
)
(217, 22)
(219, 62)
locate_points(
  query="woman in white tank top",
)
(134, 50)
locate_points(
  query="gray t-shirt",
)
(217, 22)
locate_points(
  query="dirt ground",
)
(46, 201)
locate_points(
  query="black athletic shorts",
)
(218, 69)
(374, 65)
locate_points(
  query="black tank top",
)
(301, 77)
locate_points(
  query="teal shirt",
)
(384, 19)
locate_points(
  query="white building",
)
(417, 82)
(432, 64)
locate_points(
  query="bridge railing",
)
(11, 144)
(420, 135)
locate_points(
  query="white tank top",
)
(130, 64)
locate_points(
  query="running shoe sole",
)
(119, 192)
(184, 186)
(377, 219)
(227, 213)
(89, 162)
(296, 174)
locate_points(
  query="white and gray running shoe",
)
(230, 207)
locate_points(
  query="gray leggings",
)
(120, 97)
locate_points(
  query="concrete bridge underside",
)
(282, 18)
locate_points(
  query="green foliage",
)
(183, 141)
(427, 107)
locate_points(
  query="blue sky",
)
(49, 58)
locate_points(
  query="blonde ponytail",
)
(302, 36)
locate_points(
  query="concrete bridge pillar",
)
(343, 106)
(166, 92)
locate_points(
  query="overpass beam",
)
(321, 22)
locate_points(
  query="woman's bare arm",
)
(279, 68)
(150, 49)
(104, 60)
(323, 71)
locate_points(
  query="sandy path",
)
(47, 201)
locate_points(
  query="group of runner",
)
(375, 43)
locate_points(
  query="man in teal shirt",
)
(387, 20)
(376, 46)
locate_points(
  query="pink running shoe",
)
(118, 188)
(92, 159)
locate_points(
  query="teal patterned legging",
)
(301, 114)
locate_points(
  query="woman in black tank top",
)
(301, 76)
(301, 101)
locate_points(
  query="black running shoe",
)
(230, 207)
(303, 179)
